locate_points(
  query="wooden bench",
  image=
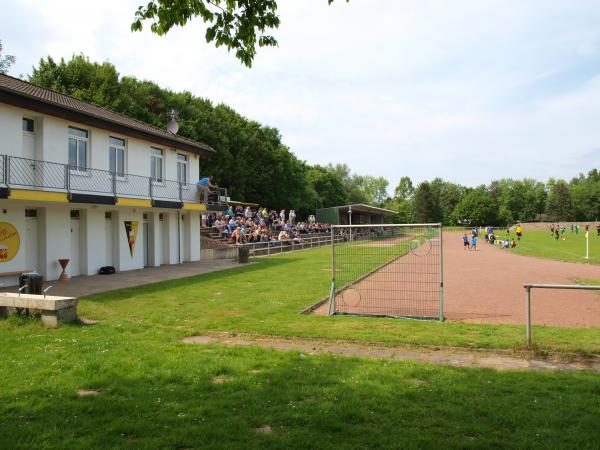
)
(12, 274)
(53, 309)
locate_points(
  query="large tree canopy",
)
(239, 25)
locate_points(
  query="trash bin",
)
(243, 253)
(34, 282)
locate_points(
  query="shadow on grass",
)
(152, 288)
(218, 399)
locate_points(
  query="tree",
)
(239, 25)
(374, 189)
(559, 201)
(327, 187)
(405, 189)
(476, 207)
(424, 203)
(6, 61)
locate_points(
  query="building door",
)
(146, 240)
(108, 233)
(31, 240)
(74, 267)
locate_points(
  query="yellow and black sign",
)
(131, 229)
(9, 242)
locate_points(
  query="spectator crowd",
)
(244, 225)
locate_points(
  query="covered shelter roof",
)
(366, 209)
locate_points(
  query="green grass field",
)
(541, 244)
(156, 392)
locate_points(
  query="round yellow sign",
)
(9, 242)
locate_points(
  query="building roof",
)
(27, 95)
(366, 209)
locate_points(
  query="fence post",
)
(528, 315)
(67, 178)
(441, 275)
(332, 290)
(7, 170)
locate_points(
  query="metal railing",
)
(529, 286)
(268, 248)
(50, 176)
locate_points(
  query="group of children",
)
(491, 238)
(557, 231)
(471, 245)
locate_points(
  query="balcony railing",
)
(50, 176)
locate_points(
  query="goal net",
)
(392, 270)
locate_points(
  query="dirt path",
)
(487, 287)
(449, 357)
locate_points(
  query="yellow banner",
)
(131, 229)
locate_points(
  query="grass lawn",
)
(541, 244)
(156, 392)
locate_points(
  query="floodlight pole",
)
(587, 245)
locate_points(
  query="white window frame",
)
(154, 156)
(77, 167)
(183, 162)
(113, 146)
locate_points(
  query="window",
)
(116, 156)
(78, 145)
(75, 214)
(28, 125)
(108, 215)
(31, 213)
(182, 161)
(156, 164)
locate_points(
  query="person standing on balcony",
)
(204, 186)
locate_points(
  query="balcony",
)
(24, 173)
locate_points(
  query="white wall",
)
(194, 241)
(10, 130)
(93, 239)
(56, 237)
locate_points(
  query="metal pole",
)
(528, 315)
(332, 290)
(350, 221)
(441, 275)
(587, 244)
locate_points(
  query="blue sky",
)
(466, 90)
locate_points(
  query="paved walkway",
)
(81, 286)
(492, 359)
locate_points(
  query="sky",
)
(466, 90)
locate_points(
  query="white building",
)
(83, 183)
